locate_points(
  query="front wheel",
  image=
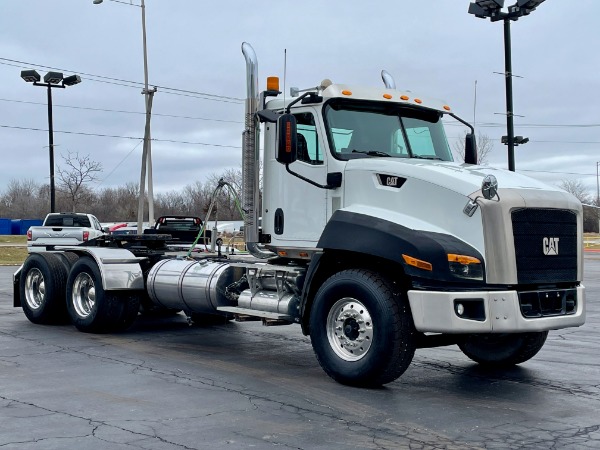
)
(93, 309)
(361, 330)
(503, 350)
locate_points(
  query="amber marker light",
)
(303, 254)
(388, 96)
(418, 100)
(463, 259)
(419, 264)
(282, 253)
(446, 107)
(345, 92)
(404, 97)
(272, 83)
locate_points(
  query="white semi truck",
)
(372, 239)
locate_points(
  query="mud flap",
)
(16, 289)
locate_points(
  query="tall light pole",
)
(51, 80)
(492, 9)
(147, 148)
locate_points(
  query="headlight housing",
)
(467, 267)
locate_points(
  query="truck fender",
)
(374, 236)
(120, 269)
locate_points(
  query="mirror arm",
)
(464, 122)
(289, 107)
(322, 186)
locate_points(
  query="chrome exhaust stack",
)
(251, 156)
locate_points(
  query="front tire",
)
(503, 350)
(361, 329)
(42, 289)
(91, 308)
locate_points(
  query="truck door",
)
(296, 208)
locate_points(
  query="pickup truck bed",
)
(63, 229)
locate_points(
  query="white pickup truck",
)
(64, 229)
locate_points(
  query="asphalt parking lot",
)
(165, 385)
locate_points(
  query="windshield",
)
(365, 129)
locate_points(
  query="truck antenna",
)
(284, 72)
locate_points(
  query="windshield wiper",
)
(371, 152)
(427, 157)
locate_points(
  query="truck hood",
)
(461, 178)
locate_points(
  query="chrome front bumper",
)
(436, 312)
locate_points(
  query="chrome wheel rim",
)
(349, 329)
(84, 295)
(35, 289)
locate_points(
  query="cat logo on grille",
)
(550, 246)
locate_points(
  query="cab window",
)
(308, 140)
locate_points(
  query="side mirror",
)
(470, 149)
(287, 145)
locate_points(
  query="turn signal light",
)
(418, 263)
(462, 259)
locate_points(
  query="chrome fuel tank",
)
(194, 286)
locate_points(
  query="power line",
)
(527, 125)
(126, 83)
(535, 141)
(81, 133)
(119, 164)
(559, 173)
(120, 111)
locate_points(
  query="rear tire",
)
(361, 330)
(42, 289)
(91, 308)
(503, 350)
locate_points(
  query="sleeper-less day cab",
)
(372, 239)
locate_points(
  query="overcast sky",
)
(431, 47)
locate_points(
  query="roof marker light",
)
(446, 107)
(345, 92)
(272, 83)
(418, 100)
(388, 96)
(404, 97)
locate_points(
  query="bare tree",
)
(24, 199)
(590, 215)
(578, 189)
(484, 147)
(78, 171)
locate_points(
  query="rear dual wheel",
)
(93, 309)
(42, 289)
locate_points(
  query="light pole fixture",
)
(492, 9)
(517, 140)
(51, 80)
(147, 148)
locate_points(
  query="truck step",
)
(255, 313)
